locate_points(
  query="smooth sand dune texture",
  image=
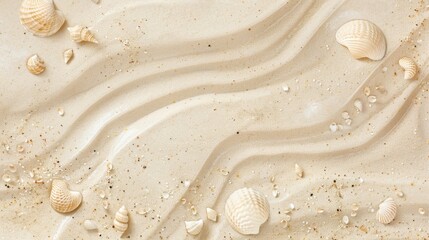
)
(190, 100)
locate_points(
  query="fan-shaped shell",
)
(121, 219)
(35, 65)
(68, 54)
(194, 227)
(363, 39)
(246, 210)
(81, 34)
(387, 211)
(40, 17)
(409, 66)
(62, 199)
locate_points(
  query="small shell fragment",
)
(68, 54)
(346, 219)
(81, 34)
(409, 67)
(358, 105)
(387, 211)
(211, 214)
(90, 225)
(121, 220)
(299, 171)
(35, 65)
(194, 227)
(372, 99)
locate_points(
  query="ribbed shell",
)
(35, 65)
(387, 211)
(409, 67)
(40, 17)
(81, 34)
(363, 39)
(121, 219)
(62, 199)
(194, 227)
(68, 54)
(246, 210)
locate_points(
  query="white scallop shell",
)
(387, 211)
(211, 214)
(409, 66)
(40, 17)
(68, 54)
(35, 65)
(194, 227)
(246, 210)
(299, 171)
(363, 39)
(81, 34)
(121, 219)
(62, 199)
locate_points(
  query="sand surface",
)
(193, 99)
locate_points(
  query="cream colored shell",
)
(363, 39)
(211, 214)
(409, 66)
(121, 219)
(387, 211)
(68, 54)
(81, 34)
(40, 17)
(35, 65)
(299, 171)
(62, 199)
(194, 227)
(246, 210)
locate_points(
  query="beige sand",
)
(181, 91)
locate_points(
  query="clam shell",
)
(387, 211)
(121, 219)
(81, 34)
(409, 66)
(68, 54)
(62, 199)
(40, 17)
(246, 210)
(299, 171)
(363, 39)
(194, 227)
(35, 65)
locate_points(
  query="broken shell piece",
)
(409, 67)
(211, 214)
(68, 54)
(194, 227)
(81, 34)
(358, 105)
(246, 210)
(35, 65)
(121, 220)
(298, 170)
(40, 17)
(387, 211)
(62, 199)
(363, 39)
(90, 225)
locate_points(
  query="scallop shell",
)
(298, 170)
(40, 17)
(246, 210)
(35, 65)
(68, 54)
(121, 219)
(211, 214)
(194, 227)
(81, 34)
(387, 211)
(363, 39)
(62, 199)
(409, 67)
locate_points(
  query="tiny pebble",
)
(90, 225)
(346, 220)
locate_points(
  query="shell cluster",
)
(40, 17)
(194, 227)
(246, 210)
(363, 39)
(35, 65)
(387, 211)
(81, 34)
(409, 66)
(121, 219)
(62, 199)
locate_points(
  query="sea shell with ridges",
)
(40, 17)
(246, 210)
(35, 64)
(409, 66)
(62, 199)
(81, 34)
(68, 54)
(387, 211)
(194, 227)
(363, 39)
(121, 219)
